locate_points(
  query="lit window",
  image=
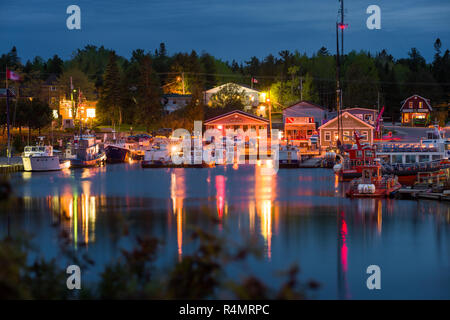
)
(55, 114)
(420, 104)
(90, 113)
(410, 105)
(346, 136)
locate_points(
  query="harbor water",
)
(298, 216)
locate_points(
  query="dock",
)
(13, 165)
(425, 194)
(310, 163)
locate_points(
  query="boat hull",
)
(97, 161)
(117, 155)
(45, 163)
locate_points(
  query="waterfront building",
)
(329, 131)
(302, 119)
(237, 119)
(416, 111)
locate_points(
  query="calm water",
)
(297, 216)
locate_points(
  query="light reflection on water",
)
(297, 215)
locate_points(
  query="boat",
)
(431, 148)
(116, 153)
(288, 157)
(41, 158)
(363, 154)
(157, 157)
(357, 156)
(373, 183)
(85, 152)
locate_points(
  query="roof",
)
(51, 80)
(358, 108)
(342, 115)
(427, 101)
(215, 89)
(245, 114)
(305, 104)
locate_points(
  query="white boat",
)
(288, 157)
(157, 156)
(432, 148)
(41, 158)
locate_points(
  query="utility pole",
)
(270, 116)
(182, 79)
(301, 88)
(338, 89)
(342, 27)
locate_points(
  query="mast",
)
(338, 89)
(8, 152)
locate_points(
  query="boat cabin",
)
(38, 151)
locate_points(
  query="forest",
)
(129, 90)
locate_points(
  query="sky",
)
(227, 29)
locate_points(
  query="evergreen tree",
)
(111, 95)
(148, 100)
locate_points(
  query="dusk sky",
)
(232, 29)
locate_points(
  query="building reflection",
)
(263, 206)
(76, 213)
(221, 203)
(343, 289)
(178, 194)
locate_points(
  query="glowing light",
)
(219, 127)
(90, 113)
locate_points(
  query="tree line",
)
(130, 90)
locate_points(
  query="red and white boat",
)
(357, 156)
(373, 183)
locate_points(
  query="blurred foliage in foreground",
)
(24, 274)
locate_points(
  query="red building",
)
(416, 111)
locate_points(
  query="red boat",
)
(372, 183)
(359, 155)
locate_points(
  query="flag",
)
(254, 80)
(11, 75)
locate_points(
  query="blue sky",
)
(231, 29)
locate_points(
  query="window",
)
(327, 136)
(368, 117)
(368, 153)
(411, 105)
(336, 136)
(365, 135)
(420, 104)
(410, 158)
(346, 136)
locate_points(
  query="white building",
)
(254, 97)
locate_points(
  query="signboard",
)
(299, 120)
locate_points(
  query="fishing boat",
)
(158, 156)
(356, 157)
(288, 157)
(85, 152)
(116, 153)
(373, 183)
(429, 156)
(41, 158)
(433, 147)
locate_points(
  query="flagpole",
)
(8, 154)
